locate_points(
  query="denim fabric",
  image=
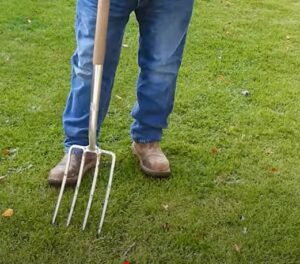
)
(163, 26)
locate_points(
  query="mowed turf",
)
(234, 192)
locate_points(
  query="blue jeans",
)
(163, 27)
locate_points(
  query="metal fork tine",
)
(77, 187)
(95, 177)
(62, 188)
(112, 168)
(98, 152)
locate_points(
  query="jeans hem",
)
(145, 140)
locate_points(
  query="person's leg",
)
(163, 28)
(76, 114)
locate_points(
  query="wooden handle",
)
(101, 32)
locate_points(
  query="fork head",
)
(85, 150)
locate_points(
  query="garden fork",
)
(98, 61)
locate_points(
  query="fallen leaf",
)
(237, 248)
(166, 227)
(5, 152)
(125, 46)
(221, 77)
(8, 213)
(165, 206)
(119, 97)
(9, 152)
(215, 151)
(2, 178)
(274, 170)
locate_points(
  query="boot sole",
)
(149, 172)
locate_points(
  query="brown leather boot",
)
(56, 174)
(153, 161)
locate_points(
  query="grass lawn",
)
(234, 192)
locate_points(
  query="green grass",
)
(235, 159)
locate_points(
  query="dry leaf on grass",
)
(8, 213)
(221, 77)
(166, 227)
(165, 206)
(9, 152)
(215, 151)
(5, 152)
(274, 170)
(237, 248)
